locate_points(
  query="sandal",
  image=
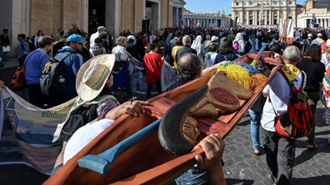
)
(312, 146)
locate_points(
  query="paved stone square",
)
(243, 167)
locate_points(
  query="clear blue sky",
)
(205, 6)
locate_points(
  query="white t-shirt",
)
(278, 91)
(83, 136)
(325, 61)
(93, 37)
(36, 39)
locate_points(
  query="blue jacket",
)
(23, 48)
(72, 64)
(220, 57)
(34, 65)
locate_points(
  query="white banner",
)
(31, 128)
(286, 31)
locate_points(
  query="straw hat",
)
(93, 75)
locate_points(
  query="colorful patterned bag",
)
(298, 120)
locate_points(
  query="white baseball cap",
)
(100, 27)
(214, 38)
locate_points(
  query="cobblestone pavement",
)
(243, 167)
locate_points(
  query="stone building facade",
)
(251, 13)
(316, 14)
(321, 3)
(312, 4)
(29, 16)
(206, 20)
(178, 12)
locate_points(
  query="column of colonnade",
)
(247, 18)
(321, 22)
(327, 23)
(177, 17)
(271, 17)
(241, 19)
(258, 17)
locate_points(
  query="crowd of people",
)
(192, 53)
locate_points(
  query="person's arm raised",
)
(134, 108)
(214, 67)
(213, 147)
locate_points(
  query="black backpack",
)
(78, 118)
(31, 46)
(139, 43)
(52, 79)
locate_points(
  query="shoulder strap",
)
(290, 83)
(63, 58)
(225, 57)
(302, 81)
(28, 57)
(308, 42)
(286, 78)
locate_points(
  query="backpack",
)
(18, 81)
(298, 120)
(235, 45)
(52, 79)
(32, 47)
(77, 118)
(139, 45)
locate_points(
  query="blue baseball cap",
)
(76, 38)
